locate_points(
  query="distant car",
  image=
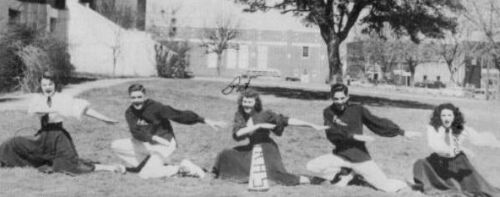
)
(269, 73)
(188, 74)
(292, 79)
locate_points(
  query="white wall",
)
(91, 40)
(432, 70)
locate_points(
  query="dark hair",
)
(136, 87)
(457, 125)
(52, 77)
(249, 93)
(338, 87)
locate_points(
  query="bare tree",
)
(411, 55)
(122, 16)
(217, 39)
(116, 48)
(384, 51)
(486, 20)
(450, 50)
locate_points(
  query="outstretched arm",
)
(180, 116)
(94, 114)
(250, 129)
(380, 126)
(483, 138)
(297, 122)
(215, 124)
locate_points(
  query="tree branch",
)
(352, 17)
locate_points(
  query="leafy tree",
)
(25, 53)
(383, 51)
(336, 18)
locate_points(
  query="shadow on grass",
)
(80, 79)
(3, 100)
(302, 94)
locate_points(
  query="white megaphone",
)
(258, 175)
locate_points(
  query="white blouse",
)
(437, 141)
(64, 105)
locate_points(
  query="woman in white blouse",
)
(448, 169)
(52, 148)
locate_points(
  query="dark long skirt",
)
(51, 148)
(436, 174)
(234, 164)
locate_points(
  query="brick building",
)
(46, 15)
(268, 41)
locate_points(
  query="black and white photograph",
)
(292, 98)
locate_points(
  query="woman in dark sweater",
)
(256, 124)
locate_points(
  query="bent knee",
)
(315, 165)
(119, 144)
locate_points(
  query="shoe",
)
(316, 180)
(192, 169)
(415, 186)
(344, 180)
(343, 177)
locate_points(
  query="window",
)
(425, 77)
(438, 78)
(172, 32)
(60, 4)
(305, 51)
(14, 16)
(53, 22)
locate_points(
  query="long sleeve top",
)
(446, 144)
(344, 124)
(154, 119)
(63, 105)
(260, 135)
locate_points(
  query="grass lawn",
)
(201, 144)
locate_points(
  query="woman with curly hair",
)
(253, 122)
(448, 169)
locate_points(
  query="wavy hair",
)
(49, 75)
(457, 125)
(249, 93)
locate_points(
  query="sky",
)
(202, 13)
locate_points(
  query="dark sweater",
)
(260, 135)
(154, 119)
(342, 136)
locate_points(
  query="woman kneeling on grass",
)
(256, 124)
(52, 148)
(448, 168)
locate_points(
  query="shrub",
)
(26, 53)
(172, 59)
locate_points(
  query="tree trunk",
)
(114, 65)
(334, 63)
(452, 75)
(488, 81)
(498, 88)
(219, 64)
(412, 80)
